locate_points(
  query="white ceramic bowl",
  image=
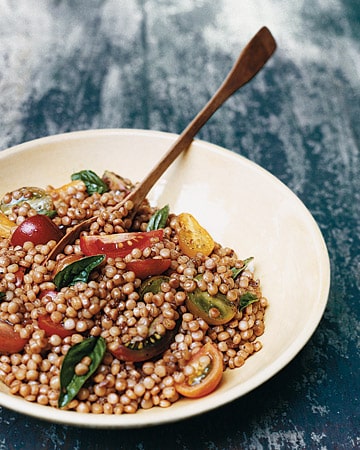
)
(239, 203)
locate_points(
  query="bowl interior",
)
(239, 203)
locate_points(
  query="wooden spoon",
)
(251, 60)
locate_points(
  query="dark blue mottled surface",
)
(152, 64)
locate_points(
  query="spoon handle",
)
(251, 60)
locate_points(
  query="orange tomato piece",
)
(6, 226)
(207, 371)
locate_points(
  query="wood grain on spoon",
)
(251, 60)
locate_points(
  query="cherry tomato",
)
(193, 238)
(207, 365)
(214, 309)
(6, 226)
(63, 190)
(37, 198)
(50, 327)
(154, 344)
(136, 351)
(10, 340)
(144, 268)
(62, 263)
(121, 244)
(19, 276)
(38, 229)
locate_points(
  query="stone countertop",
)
(67, 66)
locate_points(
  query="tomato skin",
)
(210, 380)
(144, 268)
(45, 322)
(153, 345)
(50, 327)
(10, 340)
(214, 309)
(193, 238)
(124, 353)
(6, 226)
(19, 276)
(48, 292)
(62, 263)
(120, 244)
(139, 351)
(38, 229)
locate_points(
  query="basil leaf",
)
(158, 219)
(92, 181)
(70, 383)
(2, 296)
(246, 300)
(237, 272)
(77, 271)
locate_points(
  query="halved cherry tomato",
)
(207, 366)
(48, 292)
(62, 263)
(136, 351)
(120, 244)
(37, 198)
(6, 226)
(10, 340)
(144, 268)
(116, 182)
(19, 276)
(38, 229)
(214, 309)
(50, 327)
(154, 344)
(193, 238)
(63, 190)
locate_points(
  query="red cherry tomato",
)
(50, 327)
(62, 263)
(144, 268)
(124, 353)
(121, 244)
(48, 292)
(38, 229)
(153, 345)
(10, 340)
(19, 275)
(207, 366)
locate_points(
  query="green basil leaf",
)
(92, 181)
(246, 300)
(70, 383)
(77, 271)
(158, 219)
(2, 296)
(237, 272)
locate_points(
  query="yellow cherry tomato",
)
(6, 226)
(193, 238)
(64, 189)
